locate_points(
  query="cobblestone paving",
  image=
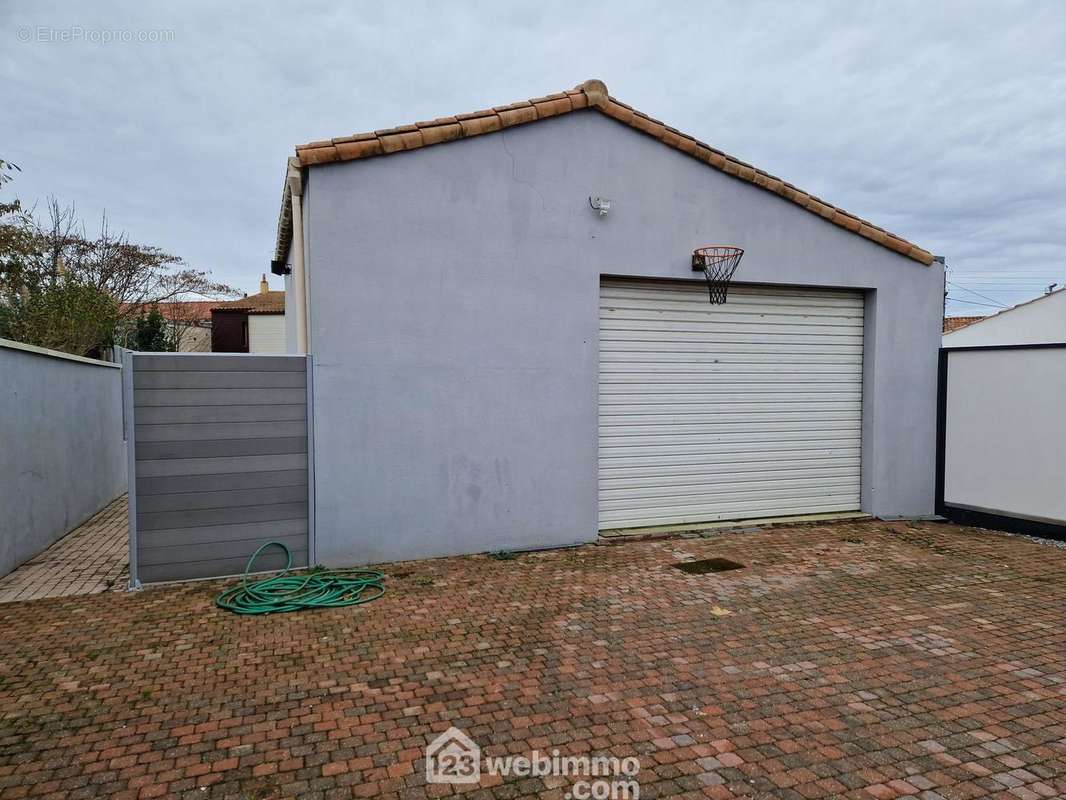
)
(91, 558)
(859, 660)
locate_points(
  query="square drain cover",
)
(708, 565)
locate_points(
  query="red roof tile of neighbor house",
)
(177, 310)
(954, 323)
(590, 94)
(263, 303)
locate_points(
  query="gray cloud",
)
(943, 122)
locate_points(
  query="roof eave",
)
(590, 94)
(293, 182)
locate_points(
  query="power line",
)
(973, 292)
(978, 294)
(974, 303)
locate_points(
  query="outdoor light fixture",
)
(601, 204)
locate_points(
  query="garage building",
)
(511, 348)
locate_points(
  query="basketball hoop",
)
(717, 263)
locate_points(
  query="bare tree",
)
(42, 253)
(134, 275)
(185, 320)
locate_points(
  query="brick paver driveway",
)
(856, 660)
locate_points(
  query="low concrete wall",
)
(62, 455)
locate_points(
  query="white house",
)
(1039, 321)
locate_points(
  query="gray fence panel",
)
(211, 483)
(156, 451)
(219, 430)
(183, 571)
(179, 415)
(219, 466)
(213, 551)
(194, 518)
(213, 533)
(220, 457)
(222, 396)
(220, 363)
(160, 379)
(185, 501)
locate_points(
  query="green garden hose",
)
(318, 588)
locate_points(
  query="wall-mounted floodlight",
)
(601, 204)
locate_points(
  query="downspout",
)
(299, 270)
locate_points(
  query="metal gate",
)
(220, 452)
(1000, 437)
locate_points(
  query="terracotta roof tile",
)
(593, 94)
(272, 302)
(473, 126)
(363, 148)
(442, 133)
(954, 323)
(176, 310)
(517, 116)
(395, 142)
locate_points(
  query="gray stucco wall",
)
(454, 296)
(61, 448)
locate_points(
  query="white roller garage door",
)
(266, 333)
(736, 411)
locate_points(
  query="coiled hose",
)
(319, 588)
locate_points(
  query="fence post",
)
(941, 428)
(312, 552)
(131, 464)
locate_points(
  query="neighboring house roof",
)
(590, 94)
(974, 320)
(954, 323)
(177, 310)
(262, 303)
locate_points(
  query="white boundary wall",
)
(1005, 432)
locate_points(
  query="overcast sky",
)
(943, 122)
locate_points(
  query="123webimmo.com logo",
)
(453, 757)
